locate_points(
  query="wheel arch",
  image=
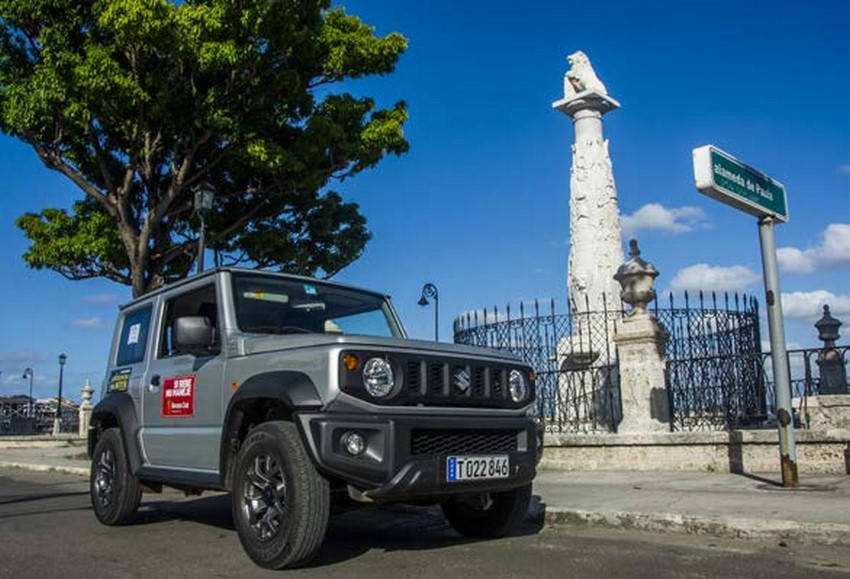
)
(262, 398)
(116, 410)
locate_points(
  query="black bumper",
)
(406, 456)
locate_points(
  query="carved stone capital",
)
(586, 100)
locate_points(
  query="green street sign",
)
(723, 177)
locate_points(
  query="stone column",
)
(86, 409)
(595, 243)
(640, 343)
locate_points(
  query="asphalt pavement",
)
(752, 506)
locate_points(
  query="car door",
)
(183, 390)
(128, 359)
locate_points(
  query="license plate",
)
(463, 468)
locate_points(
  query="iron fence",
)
(807, 379)
(22, 419)
(715, 378)
(715, 375)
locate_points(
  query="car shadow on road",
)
(402, 528)
(350, 533)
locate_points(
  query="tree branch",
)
(53, 160)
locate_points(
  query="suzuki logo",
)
(462, 379)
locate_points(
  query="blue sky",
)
(479, 206)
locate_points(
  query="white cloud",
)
(844, 169)
(833, 250)
(656, 217)
(713, 278)
(101, 299)
(809, 305)
(93, 323)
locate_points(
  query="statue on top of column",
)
(581, 76)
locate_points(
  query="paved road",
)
(47, 530)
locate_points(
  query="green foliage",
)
(138, 101)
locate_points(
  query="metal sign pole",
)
(781, 378)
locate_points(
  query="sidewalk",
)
(724, 505)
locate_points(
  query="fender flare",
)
(294, 389)
(117, 407)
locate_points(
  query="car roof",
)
(211, 273)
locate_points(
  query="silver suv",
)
(291, 392)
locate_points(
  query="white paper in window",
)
(133, 335)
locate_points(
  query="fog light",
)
(354, 443)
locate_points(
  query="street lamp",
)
(429, 290)
(28, 374)
(57, 423)
(204, 193)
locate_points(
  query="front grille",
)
(429, 380)
(463, 441)
(435, 383)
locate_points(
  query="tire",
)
(488, 515)
(280, 502)
(115, 492)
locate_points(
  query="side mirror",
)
(193, 334)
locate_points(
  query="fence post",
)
(86, 409)
(640, 344)
(833, 375)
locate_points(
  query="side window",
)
(201, 302)
(134, 337)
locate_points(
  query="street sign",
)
(723, 177)
(726, 179)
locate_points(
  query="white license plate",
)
(462, 468)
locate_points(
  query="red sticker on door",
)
(178, 396)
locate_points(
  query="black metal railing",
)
(806, 379)
(22, 419)
(715, 374)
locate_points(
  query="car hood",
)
(256, 344)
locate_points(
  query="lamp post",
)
(204, 193)
(28, 374)
(429, 290)
(57, 423)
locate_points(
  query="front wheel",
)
(115, 492)
(488, 515)
(281, 503)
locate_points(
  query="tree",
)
(137, 102)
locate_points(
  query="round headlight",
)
(378, 377)
(517, 386)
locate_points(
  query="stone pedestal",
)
(640, 343)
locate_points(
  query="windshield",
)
(267, 305)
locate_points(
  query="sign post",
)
(724, 178)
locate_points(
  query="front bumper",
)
(405, 458)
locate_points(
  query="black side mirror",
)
(193, 334)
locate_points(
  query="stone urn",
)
(636, 278)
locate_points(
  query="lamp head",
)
(62, 359)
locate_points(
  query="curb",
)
(725, 527)
(76, 470)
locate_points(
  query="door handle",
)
(154, 383)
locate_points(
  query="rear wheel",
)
(280, 502)
(488, 515)
(115, 492)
